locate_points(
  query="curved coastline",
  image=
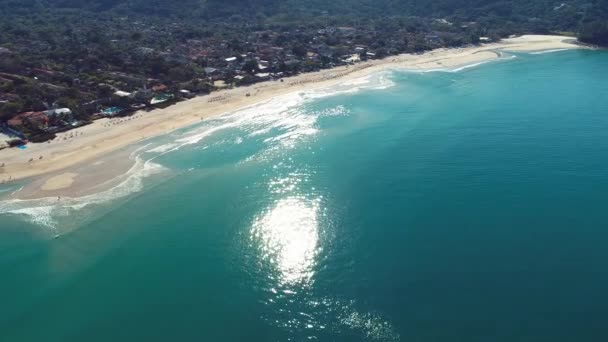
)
(105, 136)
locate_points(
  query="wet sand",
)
(66, 165)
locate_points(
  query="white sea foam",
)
(461, 67)
(162, 148)
(343, 318)
(282, 116)
(373, 326)
(469, 66)
(358, 81)
(48, 211)
(377, 81)
(547, 51)
(474, 65)
(281, 122)
(335, 111)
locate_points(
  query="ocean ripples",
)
(287, 236)
(48, 212)
(327, 318)
(281, 123)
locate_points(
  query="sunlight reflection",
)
(288, 236)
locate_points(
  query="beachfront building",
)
(209, 70)
(186, 93)
(143, 95)
(159, 88)
(263, 65)
(138, 106)
(121, 93)
(112, 111)
(352, 58)
(37, 119)
(161, 98)
(57, 112)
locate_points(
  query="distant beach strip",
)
(111, 134)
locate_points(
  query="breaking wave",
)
(281, 122)
(48, 211)
(326, 316)
(547, 51)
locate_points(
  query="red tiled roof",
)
(160, 87)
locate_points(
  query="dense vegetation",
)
(78, 53)
(544, 15)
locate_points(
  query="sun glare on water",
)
(288, 236)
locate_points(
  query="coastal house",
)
(209, 70)
(38, 119)
(161, 98)
(143, 95)
(352, 58)
(112, 111)
(312, 56)
(57, 112)
(159, 88)
(93, 106)
(186, 93)
(121, 93)
(138, 106)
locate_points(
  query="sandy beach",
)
(52, 162)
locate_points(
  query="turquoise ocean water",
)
(467, 205)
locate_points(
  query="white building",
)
(58, 111)
(121, 93)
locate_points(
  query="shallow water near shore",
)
(436, 206)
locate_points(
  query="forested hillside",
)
(535, 16)
(519, 10)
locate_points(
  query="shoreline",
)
(53, 160)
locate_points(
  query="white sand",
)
(103, 136)
(62, 181)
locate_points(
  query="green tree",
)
(8, 110)
(595, 33)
